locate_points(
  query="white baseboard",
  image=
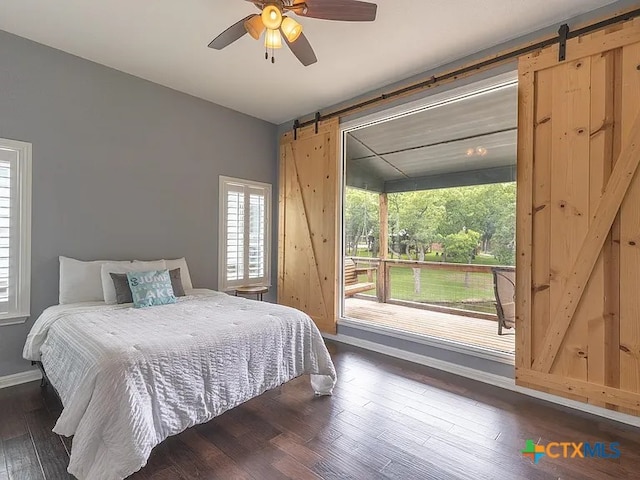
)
(19, 378)
(490, 378)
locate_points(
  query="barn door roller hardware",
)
(296, 126)
(564, 33)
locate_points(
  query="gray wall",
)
(122, 168)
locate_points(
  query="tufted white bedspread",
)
(129, 378)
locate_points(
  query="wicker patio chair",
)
(504, 286)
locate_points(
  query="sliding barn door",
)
(308, 229)
(578, 263)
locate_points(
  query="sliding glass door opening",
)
(429, 221)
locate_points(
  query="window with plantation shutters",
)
(244, 233)
(15, 230)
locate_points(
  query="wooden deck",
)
(466, 330)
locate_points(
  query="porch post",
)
(382, 286)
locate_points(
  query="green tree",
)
(417, 216)
(503, 246)
(500, 215)
(480, 208)
(361, 218)
(460, 247)
(420, 218)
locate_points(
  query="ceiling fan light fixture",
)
(291, 29)
(271, 17)
(273, 39)
(254, 26)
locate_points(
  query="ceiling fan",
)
(279, 26)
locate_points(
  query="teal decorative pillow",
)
(151, 288)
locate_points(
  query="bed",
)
(129, 378)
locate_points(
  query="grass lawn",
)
(441, 286)
(471, 291)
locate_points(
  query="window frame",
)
(23, 196)
(223, 284)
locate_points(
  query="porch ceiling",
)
(467, 141)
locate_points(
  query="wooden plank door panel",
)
(601, 157)
(630, 230)
(308, 229)
(578, 232)
(569, 199)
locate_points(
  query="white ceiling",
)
(165, 41)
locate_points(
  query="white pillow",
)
(181, 263)
(109, 290)
(81, 281)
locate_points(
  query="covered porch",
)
(463, 141)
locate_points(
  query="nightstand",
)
(258, 291)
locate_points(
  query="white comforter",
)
(129, 378)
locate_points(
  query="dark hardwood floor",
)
(387, 419)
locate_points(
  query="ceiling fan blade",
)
(258, 3)
(230, 35)
(302, 49)
(342, 10)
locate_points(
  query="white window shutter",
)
(244, 233)
(235, 234)
(15, 231)
(257, 250)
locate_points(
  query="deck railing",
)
(463, 289)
